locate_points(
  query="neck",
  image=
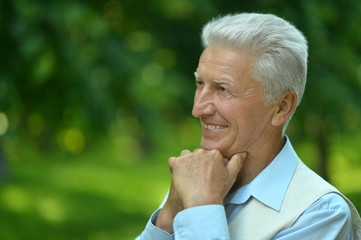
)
(259, 157)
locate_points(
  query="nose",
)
(203, 103)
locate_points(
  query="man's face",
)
(229, 102)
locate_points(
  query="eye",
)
(222, 89)
(199, 83)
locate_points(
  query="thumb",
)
(235, 164)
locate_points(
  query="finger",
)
(197, 150)
(185, 152)
(234, 165)
(171, 161)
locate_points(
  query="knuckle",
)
(217, 156)
(171, 161)
(215, 152)
(184, 152)
(197, 150)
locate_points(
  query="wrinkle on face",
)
(227, 63)
(241, 108)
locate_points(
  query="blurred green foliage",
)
(95, 96)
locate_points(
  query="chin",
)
(210, 145)
(226, 153)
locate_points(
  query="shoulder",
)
(327, 218)
(331, 203)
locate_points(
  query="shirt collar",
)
(270, 186)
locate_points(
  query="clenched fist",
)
(203, 177)
(199, 178)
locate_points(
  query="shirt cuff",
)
(152, 232)
(203, 222)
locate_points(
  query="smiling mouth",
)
(211, 127)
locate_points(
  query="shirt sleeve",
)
(206, 222)
(152, 232)
(327, 218)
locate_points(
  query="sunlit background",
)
(95, 96)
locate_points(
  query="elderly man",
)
(246, 181)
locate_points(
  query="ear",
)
(284, 108)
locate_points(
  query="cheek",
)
(227, 110)
(259, 121)
(244, 121)
(242, 116)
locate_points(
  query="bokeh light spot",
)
(4, 123)
(73, 140)
(35, 124)
(139, 41)
(15, 199)
(51, 209)
(152, 74)
(113, 10)
(177, 9)
(165, 57)
(45, 65)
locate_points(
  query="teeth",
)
(213, 126)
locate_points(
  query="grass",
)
(107, 192)
(79, 198)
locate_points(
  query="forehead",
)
(225, 64)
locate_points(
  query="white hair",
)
(279, 50)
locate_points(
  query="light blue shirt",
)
(328, 218)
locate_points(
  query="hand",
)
(199, 178)
(203, 177)
(172, 206)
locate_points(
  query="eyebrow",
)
(224, 82)
(196, 75)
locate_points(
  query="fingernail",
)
(244, 155)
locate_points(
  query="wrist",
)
(165, 220)
(202, 202)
